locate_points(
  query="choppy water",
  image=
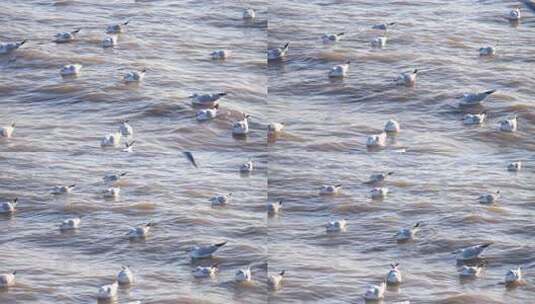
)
(440, 165)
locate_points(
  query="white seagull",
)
(340, 70)
(474, 119)
(515, 166)
(379, 42)
(243, 275)
(7, 131)
(241, 127)
(57, 190)
(472, 252)
(274, 208)
(126, 129)
(275, 128)
(336, 226)
(471, 99)
(117, 28)
(331, 38)
(278, 53)
(139, 232)
(405, 234)
(125, 276)
(330, 189)
(513, 276)
(392, 126)
(221, 199)
(109, 41)
(376, 141)
(66, 36)
(487, 51)
(206, 100)
(203, 252)
(275, 280)
(383, 26)
(470, 271)
(509, 125)
(205, 272)
(394, 275)
(70, 224)
(249, 14)
(9, 207)
(247, 167)
(375, 292)
(70, 70)
(7, 279)
(489, 198)
(112, 192)
(129, 146)
(134, 76)
(514, 14)
(379, 192)
(111, 140)
(113, 178)
(207, 114)
(8, 47)
(220, 54)
(108, 292)
(407, 79)
(379, 177)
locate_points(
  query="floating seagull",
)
(112, 192)
(189, 157)
(202, 252)
(336, 226)
(221, 200)
(508, 125)
(220, 54)
(70, 224)
(383, 26)
(331, 38)
(249, 14)
(63, 189)
(375, 292)
(129, 146)
(139, 232)
(470, 271)
(134, 76)
(9, 207)
(113, 178)
(487, 51)
(207, 114)
(66, 36)
(471, 99)
(243, 275)
(205, 272)
(125, 276)
(112, 139)
(275, 128)
(274, 208)
(376, 141)
(515, 166)
(8, 47)
(407, 79)
(275, 280)
(117, 28)
(513, 276)
(514, 14)
(405, 234)
(392, 126)
(206, 100)
(241, 127)
(70, 70)
(379, 42)
(472, 252)
(126, 129)
(278, 53)
(379, 193)
(109, 41)
(474, 119)
(108, 292)
(7, 131)
(394, 275)
(489, 198)
(247, 167)
(330, 189)
(7, 279)
(340, 70)
(378, 178)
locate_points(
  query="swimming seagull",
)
(129, 146)
(8, 47)
(113, 178)
(470, 271)
(513, 276)
(9, 207)
(383, 26)
(278, 53)
(220, 54)
(378, 193)
(394, 275)
(111, 140)
(117, 28)
(112, 192)
(376, 141)
(375, 292)
(189, 157)
(392, 126)
(70, 224)
(7, 279)
(125, 276)
(379, 42)
(330, 189)
(274, 208)
(241, 127)
(407, 79)
(108, 292)
(514, 166)
(340, 70)
(243, 275)
(275, 128)
(405, 234)
(57, 190)
(471, 99)
(206, 100)
(249, 14)
(126, 129)
(202, 252)
(474, 119)
(221, 200)
(336, 226)
(331, 38)
(487, 51)
(134, 76)
(64, 37)
(207, 114)
(205, 272)
(472, 252)
(489, 198)
(139, 232)
(275, 280)
(109, 41)
(7, 131)
(247, 167)
(514, 14)
(508, 125)
(70, 69)
(378, 178)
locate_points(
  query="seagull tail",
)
(220, 244)
(282, 272)
(286, 45)
(486, 245)
(76, 31)
(341, 34)
(126, 23)
(490, 92)
(338, 185)
(72, 186)
(23, 42)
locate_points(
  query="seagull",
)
(247, 167)
(275, 128)
(375, 292)
(112, 192)
(487, 51)
(134, 76)
(70, 224)
(8, 47)
(330, 189)
(378, 178)
(205, 272)
(405, 234)
(515, 166)
(207, 114)
(126, 129)
(109, 41)
(514, 14)
(508, 125)
(340, 70)
(336, 226)
(489, 198)
(129, 146)
(117, 28)
(7, 279)
(202, 252)
(9, 207)
(383, 26)
(113, 178)
(471, 99)
(376, 141)
(331, 38)
(379, 192)
(108, 292)
(513, 276)
(274, 208)
(275, 280)
(472, 252)
(70, 70)
(379, 42)
(140, 232)
(125, 276)
(7, 131)
(243, 275)
(278, 53)
(249, 14)
(474, 119)
(392, 126)
(206, 100)
(66, 36)
(394, 275)
(241, 127)
(221, 200)
(57, 190)
(190, 158)
(470, 271)
(220, 54)
(111, 140)
(407, 79)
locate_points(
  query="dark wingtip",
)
(417, 225)
(390, 173)
(123, 174)
(486, 245)
(216, 106)
(220, 244)
(286, 45)
(189, 156)
(15, 200)
(282, 272)
(23, 42)
(280, 202)
(490, 92)
(348, 62)
(72, 186)
(144, 70)
(126, 23)
(338, 185)
(222, 94)
(76, 31)
(14, 272)
(341, 34)
(415, 71)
